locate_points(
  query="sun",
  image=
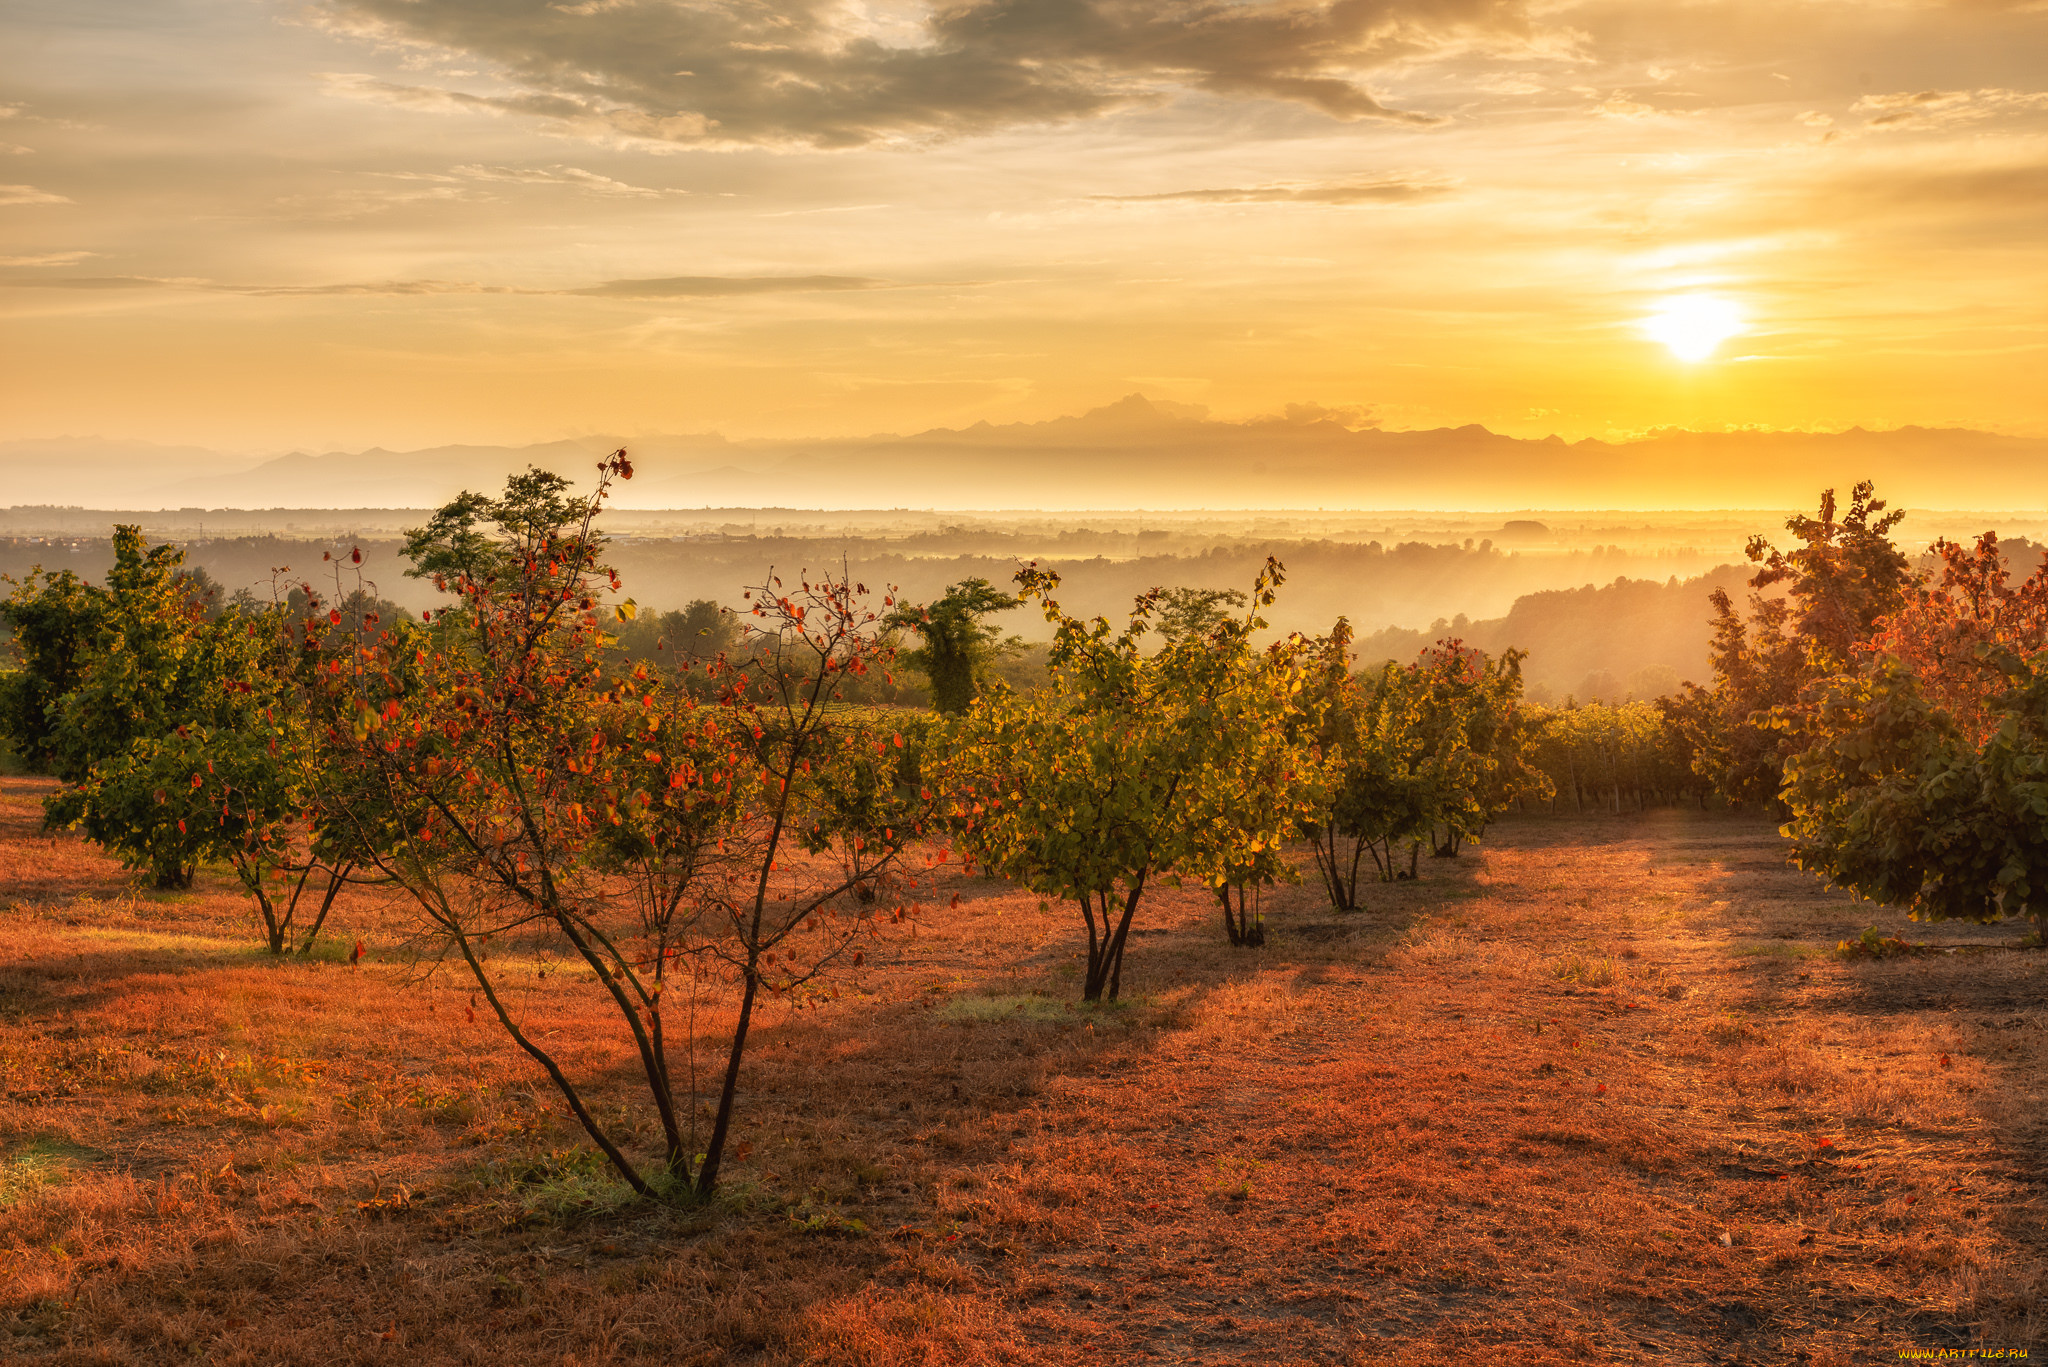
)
(1693, 325)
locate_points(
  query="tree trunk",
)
(335, 879)
(1245, 927)
(619, 1161)
(707, 1175)
(1123, 930)
(1106, 955)
(1341, 884)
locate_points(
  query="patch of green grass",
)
(806, 1220)
(1587, 970)
(561, 1185)
(41, 1163)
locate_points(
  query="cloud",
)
(1946, 108)
(720, 286)
(825, 73)
(1354, 416)
(46, 259)
(1983, 190)
(1381, 190)
(574, 176)
(29, 194)
(667, 287)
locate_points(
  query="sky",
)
(265, 224)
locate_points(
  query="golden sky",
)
(257, 224)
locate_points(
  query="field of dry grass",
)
(1598, 1091)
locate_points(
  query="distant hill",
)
(1132, 453)
(1597, 643)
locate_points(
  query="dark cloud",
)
(819, 73)
(668, 287)
(1386, 190)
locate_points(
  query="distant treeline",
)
(1372, 584)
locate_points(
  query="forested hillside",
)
(1629, 638)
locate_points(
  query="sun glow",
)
(1693, 325)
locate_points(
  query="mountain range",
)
(1135, 453)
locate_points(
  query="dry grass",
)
(1598, 1091)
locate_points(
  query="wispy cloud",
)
(29, 194)
(1379, 190)
(665, 287)
(574, 177)
(721, 286)
(46, 259)
(1946, 108)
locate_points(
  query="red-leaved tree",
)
(659, 830)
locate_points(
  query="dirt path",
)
(1607, 1094)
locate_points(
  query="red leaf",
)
(334, 616)
(355, 554)
(1944, 1061)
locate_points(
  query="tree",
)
(1477, 741)
(700, 631)
(651, 829)
(1890, 798)
(1836, 584)
(1186, 614)
(1372, 734)
(1430, 751)
(1844, 576)
(1619, 755)
(152, 667)
(1108, 778)
(1918, 775)
(1942, 632)
(1259, 784)
(958, 649)
(54, 620)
